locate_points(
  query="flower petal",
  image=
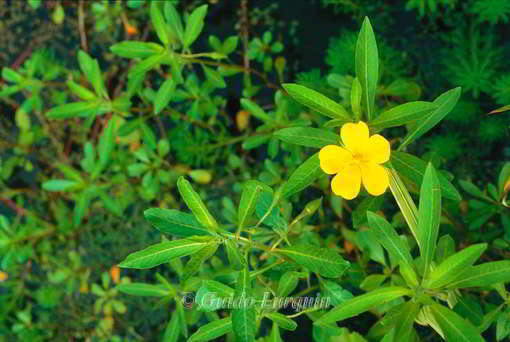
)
(333, 158)
(355, 136)
(375, 178)
(348, 182)
(378, 149)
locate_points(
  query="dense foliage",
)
(333, 170)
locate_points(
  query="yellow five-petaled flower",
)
(359, 161)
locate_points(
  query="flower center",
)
(360, 157)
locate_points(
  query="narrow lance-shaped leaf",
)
(405, 203)
(158, 22)
(144, 290)
(172, 330)
(287, 284)
(164, 95)
(212, 330)
(324, 261)
(454, 266)
(244, 317)
(198, 259)
(60, 185)
(249, 197)
(195, 204)
(429, 216)
(316, 101)
(161, 253)
(133, 49)
(90, 68)
(413, 169)
(282, 320)
(388, 237)
(194, 25)
(106, 143)
(174, 20)
(303, 176)
(171, 221)
(307, 136)
(403, 114)
(255, 110)
(367, 67)
(82, 92)
(365, 302)
(481, 275)
(214, 77)
(454, 327)
(75, 109)
(356, 93)
(445, 103)
(234, 256)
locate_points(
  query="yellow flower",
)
(359, 161)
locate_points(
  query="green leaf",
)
(365, 302)
(212, 330)
(255, 110)
(249, 197)
(445, 248)
(174, 21)
(82, 92)
(445, 103)
(405, 203)
(106, 143)
(413, 169)
(172, 330)
(288, 282)
(255, 141)
(356, 93)
(214, 77)
(198, 259)
(234, 256)
(161, 253)
(164, 95)
(80, 207)
(367, 67)
(471, 189)
(174, 222)
(158, 22)
(316, 101)
(307, 136)
(405, 326)
(504, 176)
(194, 25)
(76, 109)
(429, 216)
(244, 317)
(146, 65)
(324, 261)
(454, 266)
(303, 176)
(133, 49)
(221, 289)
(403, 114)
(90, 68)
(282, 321)
(60, 185)
(337, 294)
(454, 327)
(195, 204)
(144, 290)
(486, 274)
(388, 237)
(10, 75)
